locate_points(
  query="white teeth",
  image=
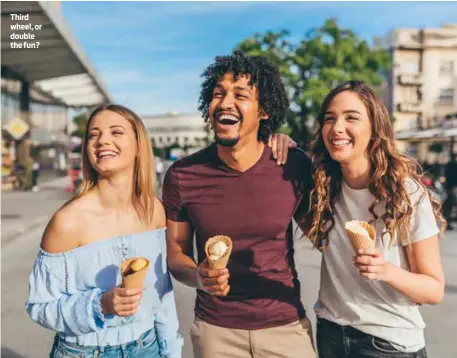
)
(225, 116)
(341, 142)
(107, 153)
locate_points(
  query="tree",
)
(80, 120)
(325, 57)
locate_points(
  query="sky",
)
(150, 55)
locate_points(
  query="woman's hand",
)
(121, 301)
(280, 144)
(371, 265)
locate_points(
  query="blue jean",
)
(335, 341)
(146, 346)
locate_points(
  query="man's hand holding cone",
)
(212, 274)
(212, 281)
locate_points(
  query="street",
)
(23, 338)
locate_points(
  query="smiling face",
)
(347, 129)
(111, 145)
(234, 110)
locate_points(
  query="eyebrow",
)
(113, 126)
(348, 111)
(239, 88)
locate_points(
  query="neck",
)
(357, 174)
(116, 191)
(242, 156)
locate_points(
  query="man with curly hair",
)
(234, 187)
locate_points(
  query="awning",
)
(57, 65)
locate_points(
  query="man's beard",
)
(226, 142)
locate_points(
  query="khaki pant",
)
(294, 340)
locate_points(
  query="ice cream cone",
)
(222, 261)
(135, 279)
(358, 240)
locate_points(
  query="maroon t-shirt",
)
(255, 209)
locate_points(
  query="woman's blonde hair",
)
(144, 179)
(389, 171)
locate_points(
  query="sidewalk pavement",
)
(21, 211)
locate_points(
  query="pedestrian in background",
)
(35, 175)
(235, 187)
(75, 282)
(451, 188)
(160, 167)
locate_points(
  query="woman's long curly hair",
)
(389, 170)
(264, 75)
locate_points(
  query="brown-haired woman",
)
(368, 304)
(360, 175)
(74, 286)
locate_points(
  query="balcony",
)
(410, 107)
(411, 79)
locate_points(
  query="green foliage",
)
(80, 120)
(324, 58)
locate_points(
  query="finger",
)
(279, 149)
(285, 150)
(369, 252)
(126, 292)
(369, 275)
(369, 260)
(127, 313)
(130, 299)
(292, 144)
(126, 309)
(215, 280)
(212, 272)
(213, 289)
(274, 146)
(223, 292)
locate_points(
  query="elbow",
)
(437, 296)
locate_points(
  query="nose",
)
(228, 102)
(103, 138)
(339, 126)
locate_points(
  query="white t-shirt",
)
(371, 306)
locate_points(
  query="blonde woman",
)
(368, 304)
(75, 283)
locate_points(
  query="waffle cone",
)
(360, 241)
(220, 263)
(134, 280)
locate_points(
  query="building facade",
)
(423, 84)
(187, 131)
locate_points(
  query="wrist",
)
(390, 273)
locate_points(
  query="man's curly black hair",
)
(263, 74)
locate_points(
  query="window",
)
(446, 95)
(409, 67)
(446, 68)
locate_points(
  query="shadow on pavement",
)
(8, 353)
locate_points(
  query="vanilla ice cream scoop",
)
(357, 228)
(217, 250)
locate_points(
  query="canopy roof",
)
(58, 65)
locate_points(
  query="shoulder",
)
(203, 156)
(189, 165)
(64, 230)
(299, 156)
(415, 190)
(298, 165)
(159, 219)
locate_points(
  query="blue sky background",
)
(151, 54)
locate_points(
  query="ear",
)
(263, 115)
